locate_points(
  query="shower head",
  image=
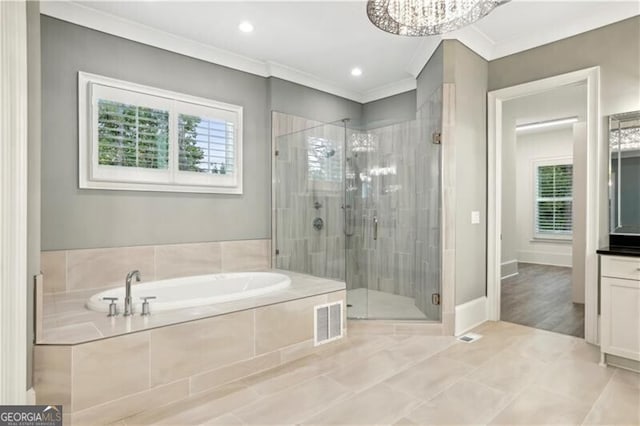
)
(330, 153)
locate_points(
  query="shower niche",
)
(361, 205)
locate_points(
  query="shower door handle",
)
(375, 228)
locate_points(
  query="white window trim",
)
(541, 237)
(144, 179)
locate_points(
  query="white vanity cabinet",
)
(620, 306)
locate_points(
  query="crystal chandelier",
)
(363, 142)
(427, 17)
(625, 139)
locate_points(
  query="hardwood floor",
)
(540, 296)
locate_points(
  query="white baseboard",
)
(31, 397)
(470, 315)
(508, 269)
(545, 258)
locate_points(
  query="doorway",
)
(585, 226)
(542, 190)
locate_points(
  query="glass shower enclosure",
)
(362, 206)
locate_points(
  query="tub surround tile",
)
(67, 321)
(54, 269)
(183, 350)
(182, 260)
(210, 362)
(285, 323)
(94, 363)
(242, 256)
(96, 268)
(82, 332)
(220, 376)
(52, 375)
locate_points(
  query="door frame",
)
(13, 203)
(594, 173)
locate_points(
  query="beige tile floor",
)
(513, 375)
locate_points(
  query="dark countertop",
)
(620, 251)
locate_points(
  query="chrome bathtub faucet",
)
(128, 307)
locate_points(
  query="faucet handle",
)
(145, 305)
(113, 308)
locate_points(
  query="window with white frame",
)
(554, 200)
(135, 137)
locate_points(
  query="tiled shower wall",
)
(73, 270)
(299, 198)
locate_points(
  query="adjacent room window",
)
(135, 137)
(554, 200)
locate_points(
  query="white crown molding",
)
(422, 55)
(295, 76)
(110, 24)
(472, 36)
(475, 39)
(389, 90)
(614, 12)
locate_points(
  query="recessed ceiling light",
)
(356, 72)
(245, 27)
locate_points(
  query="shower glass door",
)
(308, 200)
(393, 259)
(361, 206)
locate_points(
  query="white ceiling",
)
(317, 43)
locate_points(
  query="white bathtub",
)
(187, 292)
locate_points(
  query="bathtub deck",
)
(66, 321)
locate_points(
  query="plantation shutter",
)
(554, 199)
(132, 135)
(206, 145)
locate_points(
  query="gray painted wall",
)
(292, 98)
(615, 48)
(430, 78)
(468, 71)
(390, 110)
(74, 218)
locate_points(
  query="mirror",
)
(624, 173)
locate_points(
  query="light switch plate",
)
(475, 217)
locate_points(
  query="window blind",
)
(554, 199)
(206, 145)
(132, 135)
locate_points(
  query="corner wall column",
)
(13, 202)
